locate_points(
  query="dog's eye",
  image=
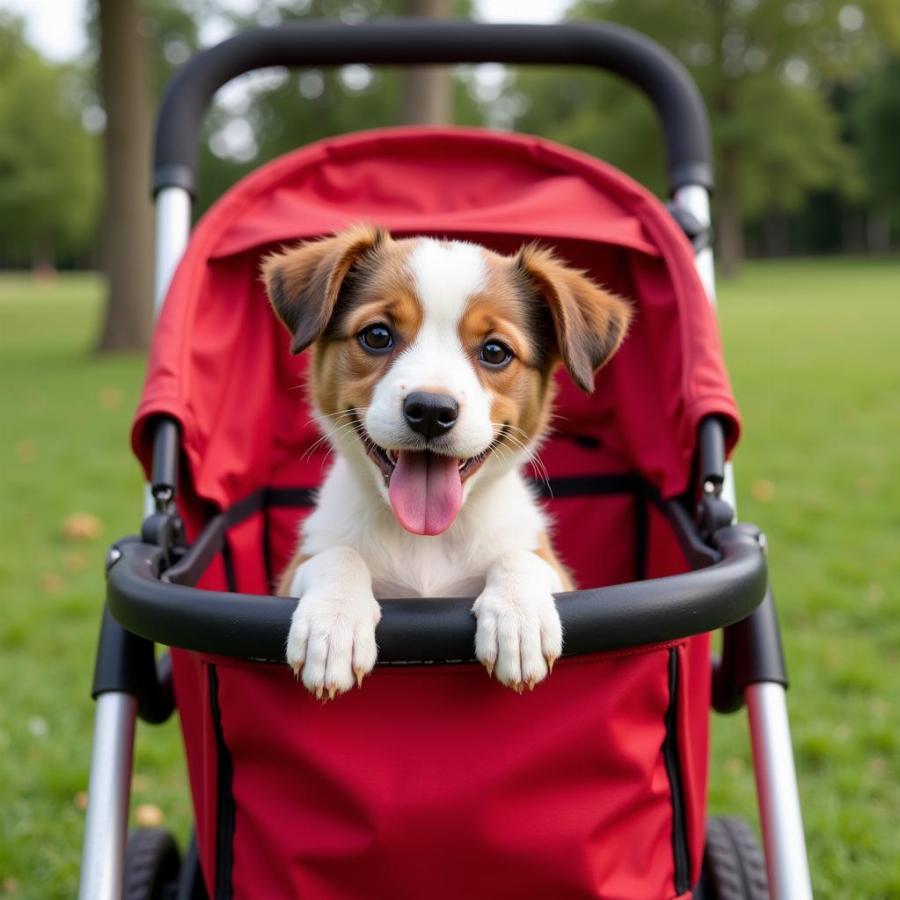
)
(495, 354)
(376, 337)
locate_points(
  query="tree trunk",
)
(729, 226)
(878, 232)
(776, 238)
(427, 91)
(128, 212)
(853, 231)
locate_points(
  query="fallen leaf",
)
(148, 815)
(874, 593)
(81, 526)
(762, 490)
(26, 450)
(110, 397)
(140, 782)
(81, 800)
(75, 561)
(51, 583)
(10, 886)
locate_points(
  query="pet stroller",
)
(432, 781)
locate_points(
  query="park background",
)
(804, 97)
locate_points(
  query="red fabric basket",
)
(432, 781)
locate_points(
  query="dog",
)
(432, 379)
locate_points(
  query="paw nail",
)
(320, 692)
(360, 674)
(332, 691)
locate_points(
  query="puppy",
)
(431, 377)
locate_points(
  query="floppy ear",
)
(304, 283)
(589, 322)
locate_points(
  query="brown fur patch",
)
(283, 588)
(379, 290)
(545, 552)
(304, 282)
(522, 391)
(589, 323)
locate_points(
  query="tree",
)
(48, 186)
(765, 68)
(427, 91)
(875, 114)
(128, 213)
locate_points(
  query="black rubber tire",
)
(733, 865)
(152, 865)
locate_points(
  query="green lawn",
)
(812, 347)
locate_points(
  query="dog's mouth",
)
(424, 487)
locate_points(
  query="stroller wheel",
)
(152, 864)
(733, 866)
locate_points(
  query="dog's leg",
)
(331, 644)
(519, 635)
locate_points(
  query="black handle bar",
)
(406, 42)
(428, 630)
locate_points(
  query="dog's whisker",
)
(532, 457)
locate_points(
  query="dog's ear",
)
(304, 283)
(589, 322)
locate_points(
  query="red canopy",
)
(220, 362)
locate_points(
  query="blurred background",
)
(804, 98)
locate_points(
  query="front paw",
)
(518, 636)
(331, 643)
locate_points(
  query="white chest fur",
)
(499, 516)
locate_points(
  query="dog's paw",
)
(331, 644)
(519, 634)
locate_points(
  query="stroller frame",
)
(129, 682)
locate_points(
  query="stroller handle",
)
(433, 631)
(406, 42)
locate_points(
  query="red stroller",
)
(432, 781)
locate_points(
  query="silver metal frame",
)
(776, 791)
(109, 786)
(773, 756)
(109, 793)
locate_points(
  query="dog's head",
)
(433, 359)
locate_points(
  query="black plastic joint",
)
(751, 653)
(712, 454)
(163, 530)
(126, 664)
(691, 173)
(698, 234)
(164, 465)
(174, 175)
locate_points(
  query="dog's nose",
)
(430, 415)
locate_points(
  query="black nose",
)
(430, 415)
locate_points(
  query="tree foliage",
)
(49, 182)
(875, 114)
(766, 69)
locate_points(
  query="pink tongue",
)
(425, 491)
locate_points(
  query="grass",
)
(812, 351)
